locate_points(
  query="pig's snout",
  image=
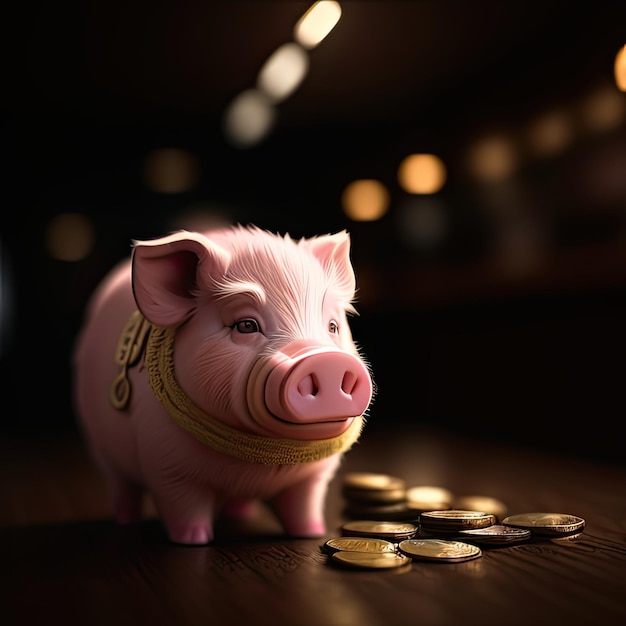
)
(318, 386)
(309, 386)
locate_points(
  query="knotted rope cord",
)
(210, 431)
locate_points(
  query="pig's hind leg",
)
(126, 496)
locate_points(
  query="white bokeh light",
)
(249, 118)
(283, 72)
(314, 26)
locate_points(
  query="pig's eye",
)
(245, 327)
(333, 327)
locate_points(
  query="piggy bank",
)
(218, 369)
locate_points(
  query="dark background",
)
(455, 339)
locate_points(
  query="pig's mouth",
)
(320, 429)
(338, 420)
(273, 425)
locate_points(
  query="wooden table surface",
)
(64, 560)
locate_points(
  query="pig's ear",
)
(169, 273)
(333, 252)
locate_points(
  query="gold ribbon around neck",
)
(159, 359)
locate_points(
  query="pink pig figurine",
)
(216, 369)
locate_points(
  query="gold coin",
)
(369, 560)
(553, 524)
(396, 511)
(495, 535)
(482, 503)
(374, 496)
(568, 537)
(372, 480)
(444, 550)
(358, 544)
(379, 529)
(456, 519)
(429, 498)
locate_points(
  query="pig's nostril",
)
(349, 382)
(308, 386)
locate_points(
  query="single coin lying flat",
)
(447, 551)
(496, 535)
(358, 544)
(551, 524)
(369, 560)
(379, 529)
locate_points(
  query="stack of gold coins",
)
(375, 496)
(356, 549)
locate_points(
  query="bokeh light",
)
(603, 110)
(249, 118)
(283, 72)
(365, 200)
(493, 158)
(70, 237)
(320, 18)
(550, 134)
(171, 170)
(422, 173)
(620, 69)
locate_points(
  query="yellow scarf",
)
(210, 431)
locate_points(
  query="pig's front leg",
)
(174, 467)
(187, 511)
(300, 508)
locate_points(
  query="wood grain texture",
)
(65, 560)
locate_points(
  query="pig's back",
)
(106, 315)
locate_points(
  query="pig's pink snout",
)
(315, 385)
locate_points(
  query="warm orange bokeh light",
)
(422, 173)
(603, 110)
(493, 159)
(620, 69)
(365, 200)
(550, 133)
